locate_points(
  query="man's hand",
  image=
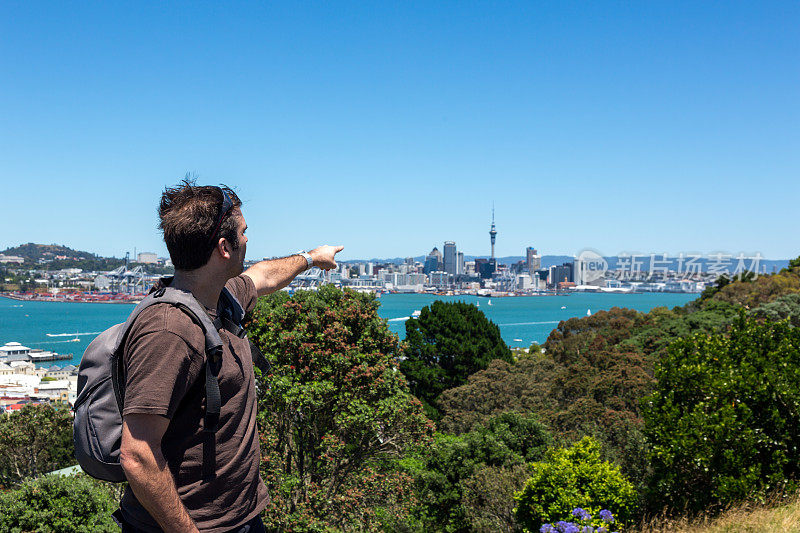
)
(325, 256)
(274, 274)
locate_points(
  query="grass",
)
(776, 516)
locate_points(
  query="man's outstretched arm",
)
(274, 274)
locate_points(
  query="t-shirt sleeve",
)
(161, 367)
(243, 288)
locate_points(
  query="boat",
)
(517, 340)
(588, 312)
(416, 314)
(489, 302)
(563, 307)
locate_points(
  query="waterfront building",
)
(147, 258)
(439, 279)
(523, 282)
(561, 273)
(450, 259)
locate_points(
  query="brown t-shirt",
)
(165, 363)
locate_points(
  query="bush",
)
(59, 504)
(455, 488)
(570, 478)
(335, 413)
(34, 441)
(724, 421)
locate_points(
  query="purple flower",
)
(566, 527)
(587, 529)
(601, 529)
(606, 515)
(581, 513)
(547, 528)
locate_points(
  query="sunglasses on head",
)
(227, 205)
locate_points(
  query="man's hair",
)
(188, 214)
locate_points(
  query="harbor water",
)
(70, 327)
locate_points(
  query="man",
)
(164, 356)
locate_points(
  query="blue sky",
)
(391, 127)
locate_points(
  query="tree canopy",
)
(35, 440)
(447, 343)
(335, 413)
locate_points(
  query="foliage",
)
(34, 441)
(335, 413)
(59, 504)
(724, 420)
(448, 342)
(451, 472)
(751, 293)
(574, 477)
(488, 498)
(784, 307)
(590, 380)
(522, 387)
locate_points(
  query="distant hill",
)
(33, 252)
(58, 256)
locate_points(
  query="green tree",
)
(335, 413)
(59, 504)
(447, 343)
(783, 307)
(574, 477)
(34, 441)
(723, 422)
(451, 470)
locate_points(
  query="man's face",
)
(239, 254)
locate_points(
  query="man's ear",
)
(224, 247)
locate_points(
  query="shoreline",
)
(19, 298)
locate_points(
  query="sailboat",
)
(588, 312)
(489, 302)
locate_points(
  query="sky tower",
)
(492, 232)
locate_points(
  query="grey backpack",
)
(97, 427)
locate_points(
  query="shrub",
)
(451, 472)
(574, 477)
(59, 504)
(34, 441)
(335, 414)
(724, 421)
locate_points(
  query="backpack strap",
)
(213, 363)
(230, 318)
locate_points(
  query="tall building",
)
(533, 261)
(450, 258)
(485, 267)
(561, 273)
(460, 263)
(433, 261)
(492, 233)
